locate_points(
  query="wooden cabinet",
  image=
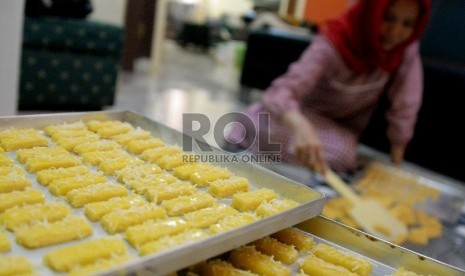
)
(139, 24)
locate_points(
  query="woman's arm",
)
(307, 145)
(405, 95)
(285, 95)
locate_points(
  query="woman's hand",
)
(397, 154)
(307, 145)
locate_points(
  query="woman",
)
(322, 104)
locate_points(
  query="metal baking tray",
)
(310, 201)
(452, 192)
(449, 247)
(385, 257)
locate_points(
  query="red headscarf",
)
(356, 34)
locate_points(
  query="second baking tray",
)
(385, 257)
(310, 201)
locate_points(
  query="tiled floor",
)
(188, 81)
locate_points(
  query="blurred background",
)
(163, 58)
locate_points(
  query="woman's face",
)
(399, 22)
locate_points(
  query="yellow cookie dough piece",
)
(203, 178)
(62, 186)
(120, 220)
(222, 268)
(5, 245)
(49, 211)
(275, 206)
(96, 210)
(17, 132)
(184, 204)
(138, 146)
(205, 217)
(169, 162)
(45, 177)
(94, 193)
(69, 143)
(52, 129)
(227, 187)
(23, 141)
(153, 154)
(172, 190)
(280, 251)
(433, 228)
(232, 222)
(133, 135)
(246, 257)
(137, 171)
(140, 185)
(95, 125)
(431, 225)
(292, 236)
(169, 242)
(19, 198)
(114, 130)
(110, 166)
(5, 160)
(11, 169)
(45, 234)
(418, 235)
(15, 265)
(70, 133)
(94, 158)
(185, 171)
(84, 253)
(315, 266)
(42, 162)
(99, 145)
(350, 262)
(247, 201)
(333, 213)
(153, 230)
(13, 182)
(404, 213)
(24, 154)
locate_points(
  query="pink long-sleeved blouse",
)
(339, 102)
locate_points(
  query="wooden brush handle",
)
(341, 187)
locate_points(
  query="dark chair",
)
(69, 64)
(268, 55)
(195, 34)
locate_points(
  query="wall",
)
(319, 11)
(113, 11)
(233, 7)
(110, 11)
(11, 25)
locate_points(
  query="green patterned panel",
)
(73, 35)
(60, 80)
